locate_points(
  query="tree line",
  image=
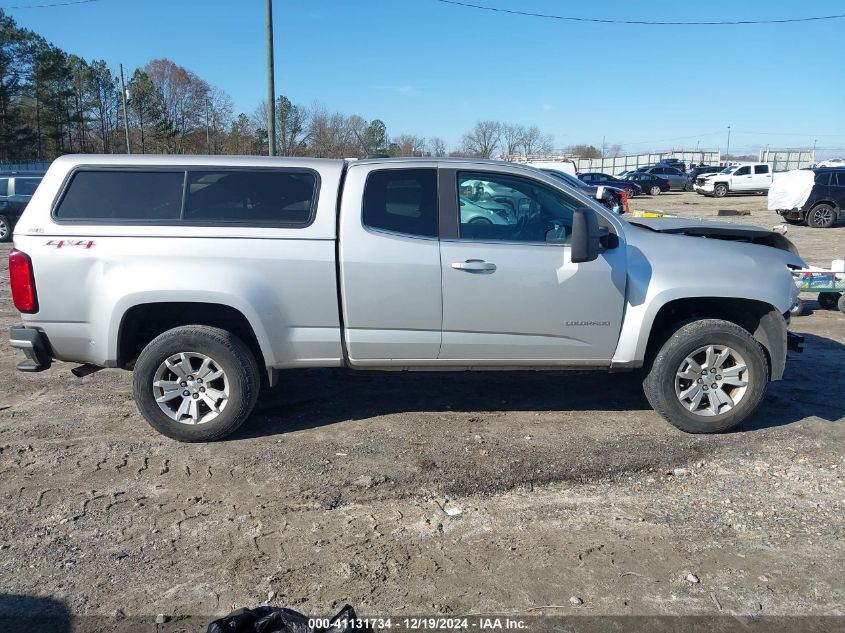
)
(53, 103)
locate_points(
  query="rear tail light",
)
(22, 280)
(625, 207)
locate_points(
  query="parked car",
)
(613, 198)
(377, 271)
(649, 182)
(597, 178)
(754, 178)
(832, 162)
(677, 163)
(826, 201)
(678, 181)
(701, 170)
(15, 193)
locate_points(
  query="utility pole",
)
(728, 150)
(125, 113)
(271, 88)
(813, 157)
(207, 133)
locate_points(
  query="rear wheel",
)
(821, 216)
(196, 383)
(708, 377)
(655, 190)
(5, 229)
(829, 300)
(720, 190)
(629, 192)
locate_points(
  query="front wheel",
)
(629, 192)
(655, 190)
(688, 186)
(196, 383)
(708, 377)
(720, 190)
(5, 229)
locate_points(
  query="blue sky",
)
(433, 69)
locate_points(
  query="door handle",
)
(474, 266)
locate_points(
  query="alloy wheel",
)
(712, 380)
(191, 388)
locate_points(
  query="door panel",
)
(390, 281)
(511, 294)
(535, 305)
(742, 179)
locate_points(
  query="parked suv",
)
(677, 163)
(826, 202)
(678, 180)
(15, 192)
(754, 178)
(210, 275)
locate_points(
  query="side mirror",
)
(586, 236)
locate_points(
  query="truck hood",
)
(720, 231)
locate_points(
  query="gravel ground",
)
(423, 493)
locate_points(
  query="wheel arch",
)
(762, 320)
(142, 322)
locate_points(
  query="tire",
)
(688, 186)
(480, 220)
(655, 190)
(797, 309)
(227, 353)
(821, 216)
(720, 190)
(707, 339)
(829, 300)
(5, 228)
(630, 192)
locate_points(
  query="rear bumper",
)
(35, 346)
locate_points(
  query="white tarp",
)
(791, 189)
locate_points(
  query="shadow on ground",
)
(315, 398)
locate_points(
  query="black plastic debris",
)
(281, 620)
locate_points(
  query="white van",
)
(566, 166)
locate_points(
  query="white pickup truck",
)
(755, 178)
(210, 276)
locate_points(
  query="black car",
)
(613, 198)
(649, 183)
(15, 192)
(701, 170)
(826, 202)
(596, 179)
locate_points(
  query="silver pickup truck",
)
(209, 276)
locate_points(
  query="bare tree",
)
(407, 145)
(512, 137)
(614, 150)
(483, 139)
(533, 141)
(437, 146)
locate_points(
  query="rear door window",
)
(402, 201)
(4, 187)
(26, 186)
(838, 179)
(761, 169)
(251, 196)
(122, 196)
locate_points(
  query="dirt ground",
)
(426, 493)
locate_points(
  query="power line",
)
(47, 6)
(638, 22)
